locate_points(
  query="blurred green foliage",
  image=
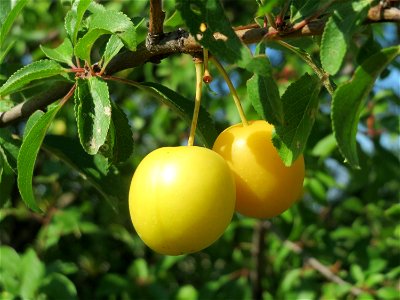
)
(82, 249)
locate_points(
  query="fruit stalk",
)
(199, 84)
(232, 89)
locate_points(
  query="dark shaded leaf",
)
(92, 168)
(300, 107)
(205, 127)
(264, 95)
(349, 98)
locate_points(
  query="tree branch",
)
(180, 41)
(258, 257)
(314, 263)
(156, 20)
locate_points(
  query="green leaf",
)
(7, 179)
(93, 168)
(5, 8)
(37, 70)
(115, 22)
(206, 131)
(121, 133)
(337, 33)
(175, 20)
(388, 293)
(27, 156)
(92, 112)
(10, 268)
(3, 54)
(264, 94)
(63, 53)
(349, 98)
(74, 17)
(32, 121)
(9, 20)
(10, 148)
(187, 292)
(324, 147)
(84, 46)
(306, 10)
(227, 46)
(32, 272)
(300, 107)
(357, 273)
(113, 46)
(57, 284)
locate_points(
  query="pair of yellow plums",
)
(182, 199)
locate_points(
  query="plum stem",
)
(199, 84)
(232, 89)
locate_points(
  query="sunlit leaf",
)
(63, 53)
(27, 156)
(92, 112)
(37, 70)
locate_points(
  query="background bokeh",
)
(347, 219)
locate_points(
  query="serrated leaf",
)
(95, 7)
(300, 107)
(206, 131)
(74, 18)
(27, 156)
(264, 94)
(92, 112)
(337, 33)
(349, 98)
(84, 46)
(115, 22)
(37, 70)
(113, 46)
(228, 46)
(110, 20)
(122, 140)
(92, 168)
(63, 53)
(9, 20)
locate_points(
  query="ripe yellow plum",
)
(265, 187)
(181, 199)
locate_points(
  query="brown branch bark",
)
(258, 257)
(180, 41)
(156, 19)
